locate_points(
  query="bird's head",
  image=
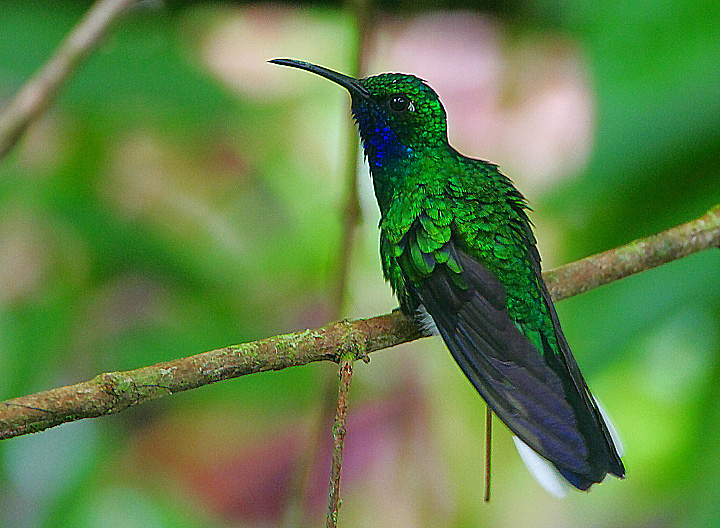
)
(397, 114)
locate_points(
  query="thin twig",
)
(351, 220)
(40, 91)
(488, 452)
(115, 391)
(345, 375)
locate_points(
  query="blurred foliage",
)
(159, 210)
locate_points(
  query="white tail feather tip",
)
(543, 471)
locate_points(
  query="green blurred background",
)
(184, 195)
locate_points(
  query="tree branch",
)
(115, 391)
(639, 255)
(37, 94)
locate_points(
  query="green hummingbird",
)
(458, 250)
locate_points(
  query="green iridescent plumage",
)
(456, 242)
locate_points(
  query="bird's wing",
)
(603, 442)
(598, 432)
(468, 306)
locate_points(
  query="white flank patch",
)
(426, 322)
(543, 471)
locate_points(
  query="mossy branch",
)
(115, 391)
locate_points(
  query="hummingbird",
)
(457, 247)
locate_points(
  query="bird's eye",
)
(400, 103)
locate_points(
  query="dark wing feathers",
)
(546, 405)
(580, 396)
(602, 445)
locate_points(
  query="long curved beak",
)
(351, 84)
